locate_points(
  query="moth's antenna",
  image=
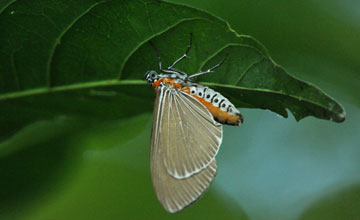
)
(157, 54)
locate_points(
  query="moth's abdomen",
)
(219, 106)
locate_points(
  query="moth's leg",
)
(183, 56)
(209, 70)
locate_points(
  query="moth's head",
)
(151, 76)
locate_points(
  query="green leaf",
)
(51, 61)
(248, 77)
(91, 62)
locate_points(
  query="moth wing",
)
(176, 193)
(189, 136)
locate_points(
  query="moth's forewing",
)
(182, 128)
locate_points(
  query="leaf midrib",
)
(105, 83)
(72, 87)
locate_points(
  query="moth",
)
(186, 133)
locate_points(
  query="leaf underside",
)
(91, 62)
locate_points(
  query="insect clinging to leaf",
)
(186, 133)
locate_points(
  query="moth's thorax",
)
(219, 106)
(172, 83)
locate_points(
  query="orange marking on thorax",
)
(157, 83)
(166, 81)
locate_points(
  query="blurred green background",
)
(269, 168)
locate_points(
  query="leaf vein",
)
(220, 50)
(15, 73)
(270, 91)
(7, 5)
(148, 18)
(149, 38)
(242, 75)
(58, 39)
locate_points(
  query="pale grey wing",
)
(173, 194)
(189, 136)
